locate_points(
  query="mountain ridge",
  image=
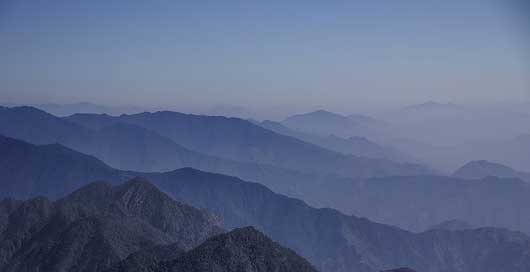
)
(240, 140)
(96, 226)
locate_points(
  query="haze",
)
(370, 136)
(273, 57)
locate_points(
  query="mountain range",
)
(330, 240)
(446, 135)
(171, 136)
(441, 135)
(131, 227)
(81, 107)
(359, 146)
(417, 203)
(291, 166)
(390, 200)
(240, 140)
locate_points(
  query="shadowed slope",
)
(97, 226)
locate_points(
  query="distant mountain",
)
(84, 107)
(240, 140)
(168, 140)
(52, 170)
(481, 169)
(330, 240)
(231, 111)
(326, 123)
(433, 106)
(490, 201)
(392, 200)
(452, 225)
(513, 152)
(38, 127)
(447, 136)
(357, 146)
(325, 234)
(96, 227)
(130, 147)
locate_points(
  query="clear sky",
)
(341, 55)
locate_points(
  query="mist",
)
(215, 136)
(288, 58)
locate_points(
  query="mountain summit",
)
(482, 168)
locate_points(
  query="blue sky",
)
(341, 55)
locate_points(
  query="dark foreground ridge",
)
(95, 227)
(242, 250)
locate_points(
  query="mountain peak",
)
(139, 190)
(244, 249)
(482, 168)
(320, 113)
(139, 183)
(247, 233)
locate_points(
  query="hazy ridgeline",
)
(349, 167)
(264, 136)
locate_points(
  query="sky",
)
(294, 55)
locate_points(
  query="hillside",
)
(96, 227)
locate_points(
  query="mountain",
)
(130, 147)
(81, 107)
(172, 136)
(452, 225)
(357, 146)
(326, 123)
(512, 151)
(54, 170)
(490, 201)
(483, 168)
(336, 242)
(51, 170)
(127, 146)
(120, 145)
(447, 136)
(244, 249)
(240, 140)
(96, 227)
(38, 127)
(231, 111)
